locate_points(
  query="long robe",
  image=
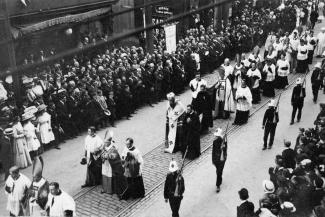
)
(16, 191)
(224, 98)
(94, 166)
(174, 127)
(244, 104)
(192, 135)
(39, 192)
(119, 183)
(205, 109)
(135, 185)
(20, 150)
(106, 171)
(321, 44)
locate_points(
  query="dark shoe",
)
(264, 148)
(84, 186)
(218, 189)
(57, 147)
(270, 147)
(298, 120)
(102, 191)
(291, 123)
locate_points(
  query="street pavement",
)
(147, 127)
(247, 165)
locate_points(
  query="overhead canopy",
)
(75, 18)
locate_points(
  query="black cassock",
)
(204, 107)
(192, 135)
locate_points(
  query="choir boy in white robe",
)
(255, 75)
(93, 145)
(244, 104)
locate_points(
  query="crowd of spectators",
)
(296, 184)
(98, 87)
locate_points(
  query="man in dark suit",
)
(297, 99)
(288, 156)
(316, 80)
(219, 155)
(270, 121)
(246, 208)
(174, 188)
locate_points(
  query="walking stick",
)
(179, 175)
(224, 141)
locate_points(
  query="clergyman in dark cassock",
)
(174, 188)
(192, 133)
(204, 108)
(270, 121)
(174, 124)
(219, 155)
(93, 145)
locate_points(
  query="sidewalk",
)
(147, 127)
(247, 166)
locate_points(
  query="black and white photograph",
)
(162, 108)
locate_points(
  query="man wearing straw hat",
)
(316, 80)
(173, 192)
(33, 143)
(270, 121)
(297, 100)
(219, 155)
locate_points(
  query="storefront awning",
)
(75, 18)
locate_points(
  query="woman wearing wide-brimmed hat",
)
(21, 153)
(30, 132)
(44, 125)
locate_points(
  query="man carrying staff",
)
(219, 155)
(270, 121)
(244, 104)
(297, 100)
(174, 188)
(316, 80)
(174, 124)
(93, 144)
(39, 189)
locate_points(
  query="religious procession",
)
(78, 123)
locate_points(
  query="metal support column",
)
(148, 21)
(11, 52)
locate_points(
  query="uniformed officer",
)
(270, 121)
(174, 188)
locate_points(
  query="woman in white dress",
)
(44, 125)
(30, 134)
(21, 152)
